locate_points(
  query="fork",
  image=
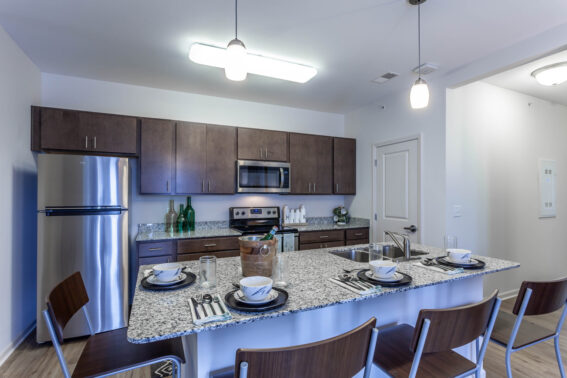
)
(430, 262)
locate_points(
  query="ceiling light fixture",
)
(553, 74)
(235, 66)
(419, 94)
(238, 62)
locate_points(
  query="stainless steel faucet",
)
(406, 247)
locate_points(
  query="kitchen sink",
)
(390, 252)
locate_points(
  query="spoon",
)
(217, 301)
(207, 298)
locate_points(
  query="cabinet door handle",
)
(261, 153)
(94, 140)
(324, 236)
(156, 249)
(314, 187)
(309, 187)
(209, 186)
(167, 186)
(210, 245)
(337, 186)
(86, 143)
(202, 186)
(358, 234)
(266, 153)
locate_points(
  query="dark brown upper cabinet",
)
(311, 158)
(344, 166)
(205, 158)
(71, 130)
(256, 144)
(190, 158)
(221, 159)
(156, 156)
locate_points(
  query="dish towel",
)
(439, 270)
(220, 308)
(376, 289)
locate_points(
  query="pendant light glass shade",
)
(235, 65)
(419, 95)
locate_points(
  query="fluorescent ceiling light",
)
(255, 64)
(554, 74)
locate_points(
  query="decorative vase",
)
(171, 217)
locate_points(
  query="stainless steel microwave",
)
(262, 177)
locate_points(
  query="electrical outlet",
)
(457, 211)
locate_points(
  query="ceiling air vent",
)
(426, 68)
(384, 78)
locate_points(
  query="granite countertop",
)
(162, 315)
(155, 232)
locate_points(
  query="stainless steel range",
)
(260, 220)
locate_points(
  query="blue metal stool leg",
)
(508, 362)
(558, 355)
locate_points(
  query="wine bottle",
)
(181, 220)
(190, 215)
(270, 235)
(171, 218)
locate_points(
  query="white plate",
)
(395, 278)
(154, 280)
(470, 262)
(239, 296)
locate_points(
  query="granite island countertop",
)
(162, 315)
(155, 232)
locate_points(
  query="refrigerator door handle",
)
(78, 211)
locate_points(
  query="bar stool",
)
(426, 350)
(105, 353)
(339, 357)
(534, 298)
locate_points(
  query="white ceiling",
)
(519, 79)
(145, 42)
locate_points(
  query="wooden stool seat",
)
(394, 356)
(110, 352)
(527, 334)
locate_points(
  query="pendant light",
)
(419, 95)
(235, 65)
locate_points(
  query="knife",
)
(195, 305)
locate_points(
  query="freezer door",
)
(95, 245)
(75, 181)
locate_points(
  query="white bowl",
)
(458, 255)
(167, 272)
(256, 288)
(383, 268)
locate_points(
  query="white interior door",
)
(396, 189)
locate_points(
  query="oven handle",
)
(281, 177)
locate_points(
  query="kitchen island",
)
(316, 308)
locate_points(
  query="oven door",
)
(262, 177)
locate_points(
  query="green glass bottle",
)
(270, 235)
(190, 215)
(181, 220)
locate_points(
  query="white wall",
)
(494, 140)
(93, 95)
(372, 124)
(19, 88)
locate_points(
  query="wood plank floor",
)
(33, 360)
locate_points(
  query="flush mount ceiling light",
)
(553, 74)
(419, 95)
(237, 61)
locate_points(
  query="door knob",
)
(411, 228)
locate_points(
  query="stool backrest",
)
(546, 296)
(341, 356)
(453, 327)
(65, 300)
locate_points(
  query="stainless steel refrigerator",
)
(83, 226)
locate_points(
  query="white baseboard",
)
(7, 352)
(508, 294)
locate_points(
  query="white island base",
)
(213, 350)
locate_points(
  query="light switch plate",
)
(547, 178)
(457, 211)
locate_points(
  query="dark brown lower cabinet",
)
(306, 246)
(218, 255)
(333, 238)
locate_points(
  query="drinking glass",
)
(208, 272)
(376, 252)
(279, 270)
(450, 242)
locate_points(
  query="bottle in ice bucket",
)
(270, 235)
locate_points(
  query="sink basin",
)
(390, 252)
